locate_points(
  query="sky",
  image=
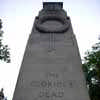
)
(18, 18)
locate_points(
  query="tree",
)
(4, 50)
(91, 68)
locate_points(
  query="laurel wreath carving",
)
(42, 28)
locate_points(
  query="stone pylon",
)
(51, 68)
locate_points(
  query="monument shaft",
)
(51, 67)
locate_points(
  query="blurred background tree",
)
(91, 68)
(4, 50)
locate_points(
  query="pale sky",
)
(18, 18)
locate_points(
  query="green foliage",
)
(94, 91)
(91, 68)
(4, 50)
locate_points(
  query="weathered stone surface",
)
(51, 67)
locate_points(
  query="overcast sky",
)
(18, 18)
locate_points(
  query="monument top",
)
(53, 5)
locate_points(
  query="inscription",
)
(49, 84)
(50, 94)
(52, 74)
(52, 87)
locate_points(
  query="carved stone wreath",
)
(40, 27)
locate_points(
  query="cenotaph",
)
(51, 68)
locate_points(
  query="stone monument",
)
(51, 67)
